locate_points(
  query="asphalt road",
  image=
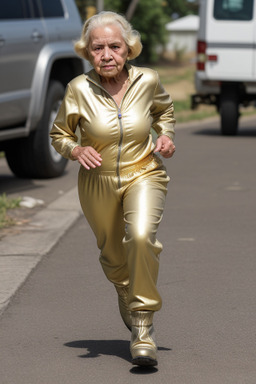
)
(63, 325)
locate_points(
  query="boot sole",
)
(144, 361)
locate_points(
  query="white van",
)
(226, 58)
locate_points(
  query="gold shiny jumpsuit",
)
(123, 199)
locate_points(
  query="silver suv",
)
(37, 60)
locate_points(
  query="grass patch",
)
(172, 75)
(183, 112)
(5, 205)
(181, 105)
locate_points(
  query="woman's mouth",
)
(108, 67)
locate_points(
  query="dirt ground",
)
(180, 90)
(177, 77)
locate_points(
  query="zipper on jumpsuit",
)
(119, 114)
(120, 142)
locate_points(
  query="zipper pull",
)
(119, 114)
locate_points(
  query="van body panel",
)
(232, 41)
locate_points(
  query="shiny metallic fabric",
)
(125, 222)
(125, 313)
(123, 199)
(121, 134)
(143, 347)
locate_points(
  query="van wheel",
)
(34, 157)
(229, 110)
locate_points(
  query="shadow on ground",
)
(215, 131)
(118, 348)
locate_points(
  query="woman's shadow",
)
(118, 348)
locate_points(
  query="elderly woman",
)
(122, 183)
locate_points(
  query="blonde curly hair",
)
(130, 36)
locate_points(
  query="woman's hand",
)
(87, 157)
(165, 146)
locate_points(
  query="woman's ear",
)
(129, 52)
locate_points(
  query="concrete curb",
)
(20, 253)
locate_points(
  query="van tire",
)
(229, 110)
(34, 157)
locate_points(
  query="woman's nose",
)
(106, 54)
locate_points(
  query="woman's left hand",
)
(165, 146)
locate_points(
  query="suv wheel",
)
(229, 110)
(34, 156)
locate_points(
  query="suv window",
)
(13, 9)
(233, 9)
(52, 8)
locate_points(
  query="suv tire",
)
(34, 156)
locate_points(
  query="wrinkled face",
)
(107, 51)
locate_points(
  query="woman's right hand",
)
(87, 157)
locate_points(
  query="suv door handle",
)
(36, 36)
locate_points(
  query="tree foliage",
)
(181, 8)
(149, 19)
(84, 7)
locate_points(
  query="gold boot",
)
(123, 305)
(143, 347)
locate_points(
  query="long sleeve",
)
(162, 112)
(64, 139)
